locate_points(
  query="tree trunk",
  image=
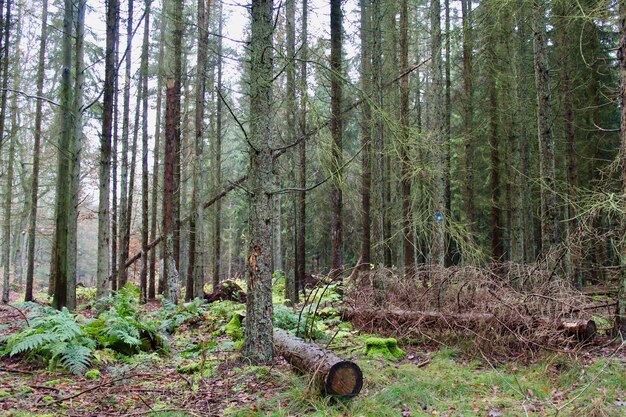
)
(448, 130)
(366, 136)
(258, 346)
(8, 196)
(143, 278)
(438, 133)
(124, 215)
(59, 269)
(332, 374)
(497, 250)
(405, 150)
(102, 277)
(195, 272)
(336, 131)
(156, 167)
(583, 330)
(620, 322)
(75, 154)
(468, 114)
(34, 190)
(549, 217)
(217, 233)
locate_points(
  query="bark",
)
(300, 267)
(258, 346)
(156, 168)
(582, 330)
(406, 181)
(217, 240)
(620, 322)
(195, 273)
(332, 374)
(366, 137)
(448, 130)
(497, 250)
(34, 190)
(172, 144)
(75, 153)
(468, 113)
(437, 128)
(549, 217)
(292, 109)
(8, 197)
(124, 216)
(143, 277)
(102, 278)
(59, 263)
(336, 132)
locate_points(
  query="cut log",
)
(583, 330)
(334, 375)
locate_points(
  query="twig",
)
(78, 394)
(16, 371)
(21, 313)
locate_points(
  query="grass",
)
(452, 387)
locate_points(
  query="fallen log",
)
(226, 291)
(582, 330)
(334, 375)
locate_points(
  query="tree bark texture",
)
(3, 105)
(366, 136)
(258, 346)
(332, 374)
(143, 277)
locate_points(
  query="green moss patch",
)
(385, 347)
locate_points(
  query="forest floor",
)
(202, 374)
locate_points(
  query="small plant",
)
(57, 338)
(175, 315)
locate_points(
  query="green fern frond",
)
(76, 358)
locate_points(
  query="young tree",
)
(258, 346)
(34, 190)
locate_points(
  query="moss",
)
(234, 329)
(92, 374)
(388, 348)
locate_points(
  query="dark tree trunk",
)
(105, 150)
(143, 278)
(336, 131)
(366, 137)
(217, 243)
(34, 190)
(468, 114)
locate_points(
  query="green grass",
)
(451, 387)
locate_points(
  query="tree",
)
(217, 221)
(34, 190)
(468, 113)
(195, 274)
(8, 198)
(258, 346)
(110, 74)
(620, 322)
(366, 135)
(336, 131)
(549, 215)
(144, 153)
(437, 130)
(173, 69)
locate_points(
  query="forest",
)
(313, 208)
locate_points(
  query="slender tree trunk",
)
(143, 278)
(366, 135)
(59, 269)
(8, 197)
(258, 346)
(75, 151)
(34, 190)
(217, 226)
(336, 131)
(494, 144)
(124, 215)
(156, 167)
(620, 322)
(437, 129)
(195, 275)
(549, 216)
(468, 114)
(114, 179)
(290, 20)
(105, 150)
(301, 206)
(405, 150)
(448, 129)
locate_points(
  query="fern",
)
(56, 337)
